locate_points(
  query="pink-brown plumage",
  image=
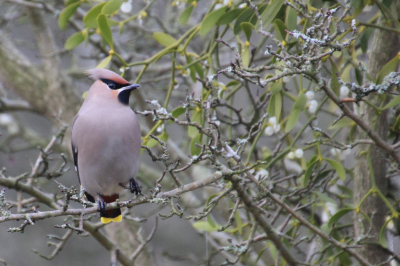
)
(106, 141)
(100, 73)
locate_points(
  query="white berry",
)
(276, 128)
(310, 95)
(272, 121)
(126, 7)
(344, 91)
(299, 153)
(269, 131)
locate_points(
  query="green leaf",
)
(246, 56)
(210, 20)
(291, 18)
(346, 190)
(300, 102)
(272, 250)
(388, 14)
(290, 45)
(210, 198)
(387, 3)
(395, 101)
(391, 66)
(293, 118)
(270, 13)
(382, 234)
(232, 83)
(364, 39)
(247, 28)
(90, 19)
(66, 13)
(185, 15)
(276, 88)
(280, 29)
(289, 233)
(196, 117)
(245, 16)
(260, 254)
(359, 76)
(344, 122)
(261, 8)
(164, 38)
(345, 259)
(310, 168)
(324, 197)
(336, 217)
(335, 85)
(112, 22)
(105, 62)
(324, 228)
(105, 29)
(111, 6)
(296, 111)
(74, 40)
(210, 221)
(163, 136)
(275, 106)
(278, 105)
(192, 68)
(194, 150)
(229, 16)
(271, 106)
(205, 226)
(70, 2)
(199, 70)
(358, 6)
(338, 167)
(275, 103)
(396, 125)
(178, 111)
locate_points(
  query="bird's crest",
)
(100, 73)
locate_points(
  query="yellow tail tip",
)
(106, 220)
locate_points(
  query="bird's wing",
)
(75, 155)
(75, 150)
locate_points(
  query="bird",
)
(106, 142)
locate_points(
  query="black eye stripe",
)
(110, 84)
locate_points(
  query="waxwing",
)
(106, 142)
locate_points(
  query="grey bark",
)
(384, 47)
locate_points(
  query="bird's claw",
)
(134, 187)
(102, 205)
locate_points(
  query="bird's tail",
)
(113, 215)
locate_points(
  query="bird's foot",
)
(102, 205)
(134, 187)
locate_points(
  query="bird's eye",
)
(111, 85)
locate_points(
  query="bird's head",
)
(112, 82)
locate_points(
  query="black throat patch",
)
(123, 96)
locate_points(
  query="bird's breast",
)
(108, 143)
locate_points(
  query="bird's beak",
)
(130, 87)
